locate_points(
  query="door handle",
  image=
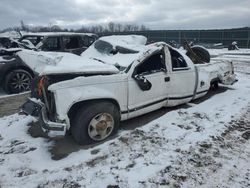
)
(167, 79)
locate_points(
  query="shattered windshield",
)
(107, 48)
(118, 55)
(103, 47)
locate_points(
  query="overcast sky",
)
(155, 14)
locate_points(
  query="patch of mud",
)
(200, 115)
(24, 172)
(64, 183)
(97, 160)
(16, 146)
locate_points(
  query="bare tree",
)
(143, 28)
(128, 27)
(111, 27)
(23, 26)
(100, 29)
(55, 28)
(119, 27)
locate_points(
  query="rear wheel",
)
(95, 122)
(214, 86)
(17, 81)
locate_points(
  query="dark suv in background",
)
(5, 42)
(60, 42)
(15, 76)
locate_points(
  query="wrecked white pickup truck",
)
(117, 78)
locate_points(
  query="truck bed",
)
(220, 71)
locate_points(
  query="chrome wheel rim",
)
(20, 81)
(101, 126)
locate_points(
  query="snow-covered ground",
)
(205, 144)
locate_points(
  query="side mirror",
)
(142, 82)
(114, 51)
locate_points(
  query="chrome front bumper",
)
(38, 110)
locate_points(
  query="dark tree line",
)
(110, 27)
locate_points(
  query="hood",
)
(53, 63)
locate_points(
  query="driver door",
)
(153, 70)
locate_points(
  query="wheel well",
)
(19, 67)
(76, 106)
(214, 84)
(215, 80)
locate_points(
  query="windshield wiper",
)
(99, 60)
(116, 65)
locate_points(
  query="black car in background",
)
(16, 76)
(5, 42)
(8, 46)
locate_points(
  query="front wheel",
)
(17, 81)
(95, 122)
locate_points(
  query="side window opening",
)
(91, 40)
(155, 63)
(177, 59)
(51, 44)
(87, 41)
(71, 42)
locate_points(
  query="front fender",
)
(66, 98)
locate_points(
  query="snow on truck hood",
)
(48, 63)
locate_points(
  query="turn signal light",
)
(40, 86)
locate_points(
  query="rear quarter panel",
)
(213, 70)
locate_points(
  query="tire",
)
(201, 52)
(17, 81)
(214, 86)
(95, 122)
